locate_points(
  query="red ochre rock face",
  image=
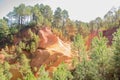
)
(51, 49)
(51, 42)
(109, 34)
(47, 38)
(51, 52)
(106, 33)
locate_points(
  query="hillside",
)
(51, 50)
(39, 44)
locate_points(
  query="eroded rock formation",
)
(52, 51)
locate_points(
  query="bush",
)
(62, 73)
(116, 57)
(101, 56)
(43, 75)
(4, 71)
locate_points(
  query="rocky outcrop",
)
(52, 51)
(109, 34)
(106, 33)
(47, 38)
(39, 58)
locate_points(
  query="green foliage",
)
(24, 64)
(13, 30)
(57, 18)
(21, 12)
(116, 57)
(102, 65)
(75, 62)
(37, 15)
(32, 23)
(47, 23)
(70, 29)
(86, 70)
(78, 40)
(101, 56)
(43, 75)
(4, 71)
(4, 30)
(79, 44)
(48, 13)
(18, 50)
(27, 47)
(25, 68)
(62, 73)
(30, 44)
(82, 28)
(98, 67)
(32, 47)
(99, 49)
(2, 76)
(34, 39)
(65, 14)
(95, 24)
(30, 76)
(21, 45)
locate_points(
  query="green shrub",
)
(62, 73)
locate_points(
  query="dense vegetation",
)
(100, 62)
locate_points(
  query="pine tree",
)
(32, 47)
(79, 45)
(30, 76)
(4, 29)
(116, 57)
(43, 75)
(4, 71)
(2, 76)
(85, 69)
(101, 56)
(62, 73)
(25, 68)
(22, 45)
